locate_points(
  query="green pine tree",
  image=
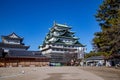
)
(108, 16)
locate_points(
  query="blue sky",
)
(32, 19)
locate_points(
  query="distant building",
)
(12, 42)
(1, 52)
(95, 61)
(61, 45)
(14, 53)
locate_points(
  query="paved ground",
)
(56, 73)
(107, 73)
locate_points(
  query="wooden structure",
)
(23, 62)
(14, 53)
(17, 58)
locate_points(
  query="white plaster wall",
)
(11, 41)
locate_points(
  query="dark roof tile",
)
(95, 58)
(24, 53)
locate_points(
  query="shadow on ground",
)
(58, 76)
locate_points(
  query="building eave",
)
(67, 37)
(2, 45)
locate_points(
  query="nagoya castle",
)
(61, 45)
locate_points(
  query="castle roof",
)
(12, 36)
(61, 34)
(61, 25)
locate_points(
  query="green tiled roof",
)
(67, 37)
(63, 32)
(62, 25)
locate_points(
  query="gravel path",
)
(46, 73)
